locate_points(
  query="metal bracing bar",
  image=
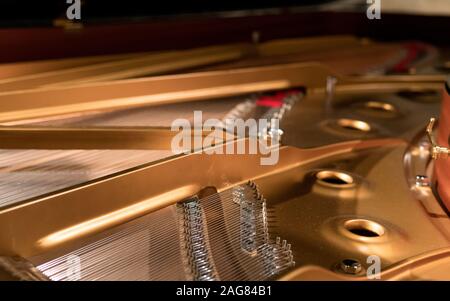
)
(151, 138)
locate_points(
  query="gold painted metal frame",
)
(43, 224)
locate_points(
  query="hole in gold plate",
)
(380, 106)
(364, 228)
(354, 125)
(335, 179)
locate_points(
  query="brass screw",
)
(422, 181)
(350, 266)
(437, 152)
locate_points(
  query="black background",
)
(41, 12)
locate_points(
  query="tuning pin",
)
(331, 84)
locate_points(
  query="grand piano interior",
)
(347, 179)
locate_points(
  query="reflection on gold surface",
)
(115, 217)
